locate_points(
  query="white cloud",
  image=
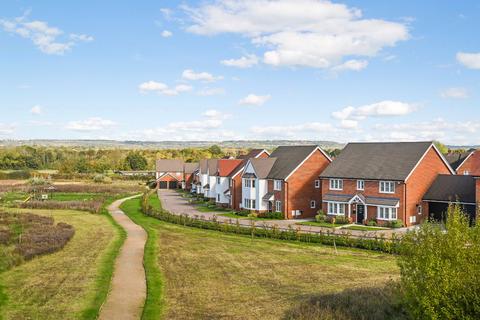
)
(162, 88)
(7, 129)
(385, 108)
(455, 93)
(166, 34)
(44, 37)
(201, 76)
(304, 130)
(351, 65)
(36, 110)
(244, 62)
(91, 124)
(469, 60)
(310, 33)
(254, 100)
(211, 91)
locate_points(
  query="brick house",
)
(382, 181)
(235, 177)
(189, 171)
(285, 182)
(224, 169)
(460, 190)
(470, 165)
(169, 173)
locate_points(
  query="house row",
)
(407, 181)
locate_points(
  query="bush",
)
(152, 184)
(395, 224)
(36, 181)
(341, 220)
(252, 215)
(372, 223)
(100, 178)
(274, 215)
(440, 276)
(320, 217)
(15, 175)
(243, 213)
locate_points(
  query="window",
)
(360, 184)
(387, 187)
(218, 197)
(336, 208)
(246, 183)
(278, 206)
(419, 209)
(387, 213)
(466, 173)
(413, 219)
(218, 180)
(249, 203)
(253, 183)
(317, 184)
(253, 204)
(313, 204)
(277, 185)
(336, 184)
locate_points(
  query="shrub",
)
(395, 224)
(252, 215)
(341, 220)
(331, 219)
(243, 213)
(37, 181)
(372, 223)
(440, 276)
(152, 184)
(320, 217)
(274, 215)
(93, 206)
(100, 178)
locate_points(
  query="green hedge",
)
(380, 243)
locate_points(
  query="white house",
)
(255, 184)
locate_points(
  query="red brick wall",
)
(372, 189)
(478, 198)
(188, 180)
(300, 189)
(278, 195)
(472, 165)
(419, 183)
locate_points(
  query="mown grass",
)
(212, 275)
(154, 303)
(320, 224)
(65, 284)
(364, 228)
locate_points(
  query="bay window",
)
(387, 213)
(336, 208)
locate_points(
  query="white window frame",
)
(419, 209)
(218, 180)
(278, 206)
(230, 183)
(387, 213)
(218, 197)
(360, 184)
(317, 184)
(386, 187)
(336, 208)
(466, 172)
(336, 184)
(277, 185)
(313, 204)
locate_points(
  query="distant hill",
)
(268, 144)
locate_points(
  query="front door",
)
(270, 206)
(360, 213)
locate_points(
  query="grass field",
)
(69, 284)
(212, 275)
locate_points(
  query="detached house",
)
(382, 181)
(207, 178)
(169, 173)
(189, 171)
(285, 182)
(470, 165)
(235, 177)
(224, 168)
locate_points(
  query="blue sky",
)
(227, 70)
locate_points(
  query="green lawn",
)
(201, 274)
(364, 228)
(203, 208)
(71, 283)
(320, 224)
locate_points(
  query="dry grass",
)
(78, 187)
(63, 284)
(210, 275)
(93, 206)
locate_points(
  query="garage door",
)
(163, 185)
(438, 211)
(173, 185)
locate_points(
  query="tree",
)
(441, 147)
(215, 150)
(135, 161)
(440, 274)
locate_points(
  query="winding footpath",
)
(128, 290)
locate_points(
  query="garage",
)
(451, 189)
(163, 184)
(167, 181)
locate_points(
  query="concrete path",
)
(128, 290)
(173, 202)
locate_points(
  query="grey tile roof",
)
(456, 158)
(377, 160)
(452, 188)
(337, 197)
(190, 167)
(212, 166)
(252, 154)
(268, 196)
(288, 158)
(373, 201)
(169, 165)
(203, 166)
(262, 166)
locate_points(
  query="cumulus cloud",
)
(90, 124)
(351, 65)
(244, 62)
(162, 88)
(36, 110)
(469, 60)
(311, 33)
(350, 116)
(49, 40)
(211, 91)
(254, 100)
(455, 93)
(200, 76)
(166, 34)
(7, 129)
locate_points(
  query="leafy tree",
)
(215, 150)
(135, 161)
(440, 272)
(441, 147)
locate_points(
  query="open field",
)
(208, 274)
(69, 284)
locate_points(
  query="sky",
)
(234, 70)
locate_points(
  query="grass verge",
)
(320, 224)
(364, 228)
(154, 302)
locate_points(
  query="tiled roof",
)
(452, 188)
(190, 167)
(262, 166)
(225, 167)
(456, 158)
(169, 165)
(288, 159)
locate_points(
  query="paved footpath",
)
(128, 290)
(173, 202)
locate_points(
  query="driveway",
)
(173, 202)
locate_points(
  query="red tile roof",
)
(226, 166)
